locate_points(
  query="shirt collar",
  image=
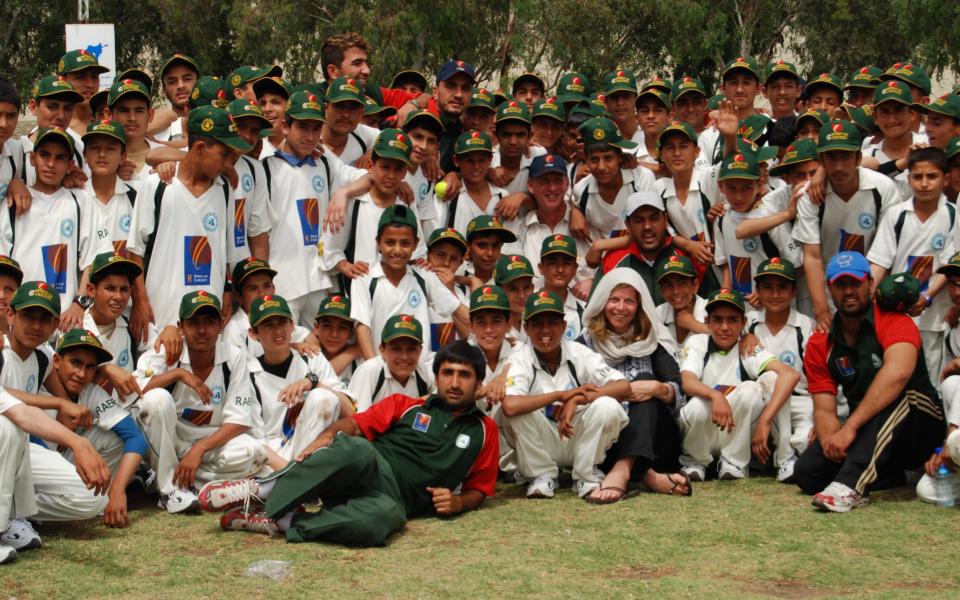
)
(295, 161)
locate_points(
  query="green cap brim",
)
(195, 308)
(92, 134)
(401, 334)
(784, 167)
(117, 267)
(67, 95)
(470, 149)
(395, 155)
(271, 312)
(715, 302)
(506, 235)
(545, 309)
(838, 146)
(102, 354)
(780, 275)
(564, 98)
(235, 142)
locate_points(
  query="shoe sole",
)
(33, 544)
(832, 508)
(730, 477)
(193, 507)
(12, 557)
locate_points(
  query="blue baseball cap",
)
(452, 67)
(547, 163)
(848, 264)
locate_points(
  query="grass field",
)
(748, 539)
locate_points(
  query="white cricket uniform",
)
(172, 133)
(174, 420)
(252, 213)
(107, 413)
(409, 297)
(300, 196)
(779, 199)
(110, 220)
(875, 149)
(192, 242)
(950, 394)
(606, 218)
(531, 236)
(267, 148)
(540, 450)
(11, 164)
(573, 315)
(707, 142)
(289, 430)
(359, 141)
(236, 333)
(428, 207)
(689, 219)
(363, 230)
(920, 249)
(788, 346)
(51, 241)
(850, 225)
(747, 390)
(373, 381)
(459, 211)
(442, 328)
(742, 257)
(519, 183)
(668, 316)
(16, 482)
(26, 145)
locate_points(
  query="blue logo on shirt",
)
(123, 358)
(318, 184)
(66, 228)
(217, 395)
(570, 333)
(211, 222)
(414, 299)
(3, 190)
(865, 220)
(124, 223)
(750, 245)
(788, 358)
(31, 383)
(424, 188)
(246, 182)
(937, 242)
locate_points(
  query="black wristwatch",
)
(313, 379)
(85, 302)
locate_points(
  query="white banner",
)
(97, 39)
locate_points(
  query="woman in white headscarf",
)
(620, 323)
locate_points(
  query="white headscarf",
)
(616, 353)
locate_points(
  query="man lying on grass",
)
(401, 458)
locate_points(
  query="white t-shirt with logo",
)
(110, 221)
(604, 217)
(722, 368)
(253, 214)
(24, 375)
(364, 382)
(786, 345)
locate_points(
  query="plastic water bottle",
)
(943, 486)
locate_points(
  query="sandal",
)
(686, 481)
(590, 499)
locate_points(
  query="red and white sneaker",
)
(254, 522)
(838, 498)
(218, 496)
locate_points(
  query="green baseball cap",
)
(811, 113)
(680, 127)
(473, 141)
(491, 297)
(500, 96)
(947, 104)
(839, 135)
(753, 127)
(9, 266)
(865, 77)
(304, 106)
(247, 267)
(335, 306)
(897, 292)
(268, 306)
(658, 83)
(446, 234)
(676, 265)
(892, 91)
(271, 85)
(511, 110)
(952, 267)
(687, 85)
(911, 74)
(36, 293)
(106, 128)
(825, 80)
(423, 118)
(739, 165)
(87, 340)
(371, 107)
(799, 151)
(780, 68)
(660, 95)
(247, 73)
(79, 60)
(759, 153)
(402, 326)
(343, 89)
(550, 108)
(529, 76)
(179, 59)
(862, 116)
(54, 133)
(489, 224)
(241, 108)
(194, 301)
(126, 87)
(601, 130)
(726, 296)
(510, 267)
(209, 91)
(742, 63)
(776, 267)
(953, 147)
(316, 89)
(481, 98)
(542, 302)
(620, 80)
(137, 74)
(397, 215)
(573, 87)
(110, 263)
(55, 86)
(393, 144)
(558, 244)
(212, 122)
(598, 105)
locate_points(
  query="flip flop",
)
(686, 481)
(591, 500)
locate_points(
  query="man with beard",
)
(177, 76)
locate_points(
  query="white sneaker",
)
(541, 487)
(695, 472)
(219, 496)
(180, 501)
(20, 535)
(7, 554)
(838, 498)
(728, 472)
(582, 488)
(785, 472)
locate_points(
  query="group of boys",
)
(197, 299)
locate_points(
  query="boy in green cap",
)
(548, 379)
(11, 276)
(343, 132)
(241, 80)
(620, 98)
(514, 153)
(782, 88)
(333, 329)
(424, 130)
(784, 332)
(943, 119)
(445, 251)
(400, 367)
(653, 114)
(824, 92)
(480, 112)
(734, 401)
(861, 84)
(547, 120)
(53, 101)
(894, 115)
(473, 156)
(558, 266)
(178, 75)
(515, 275)
(917, 236)
(374, 114)
(528, 88)
(199, 429)
(487, 239)
(689, 100)
(918, 82)
(272, 94)
(809, 124)
(573, 89)
(741, 84)
(391, 286)
(108, 200)
(81, 69)
(683, 311)
(12, 168)
(128, 103)
(252, 209)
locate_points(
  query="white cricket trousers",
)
(320, 409)
(703, 441)
(16, 485)
(240, 457)
(540, 451)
